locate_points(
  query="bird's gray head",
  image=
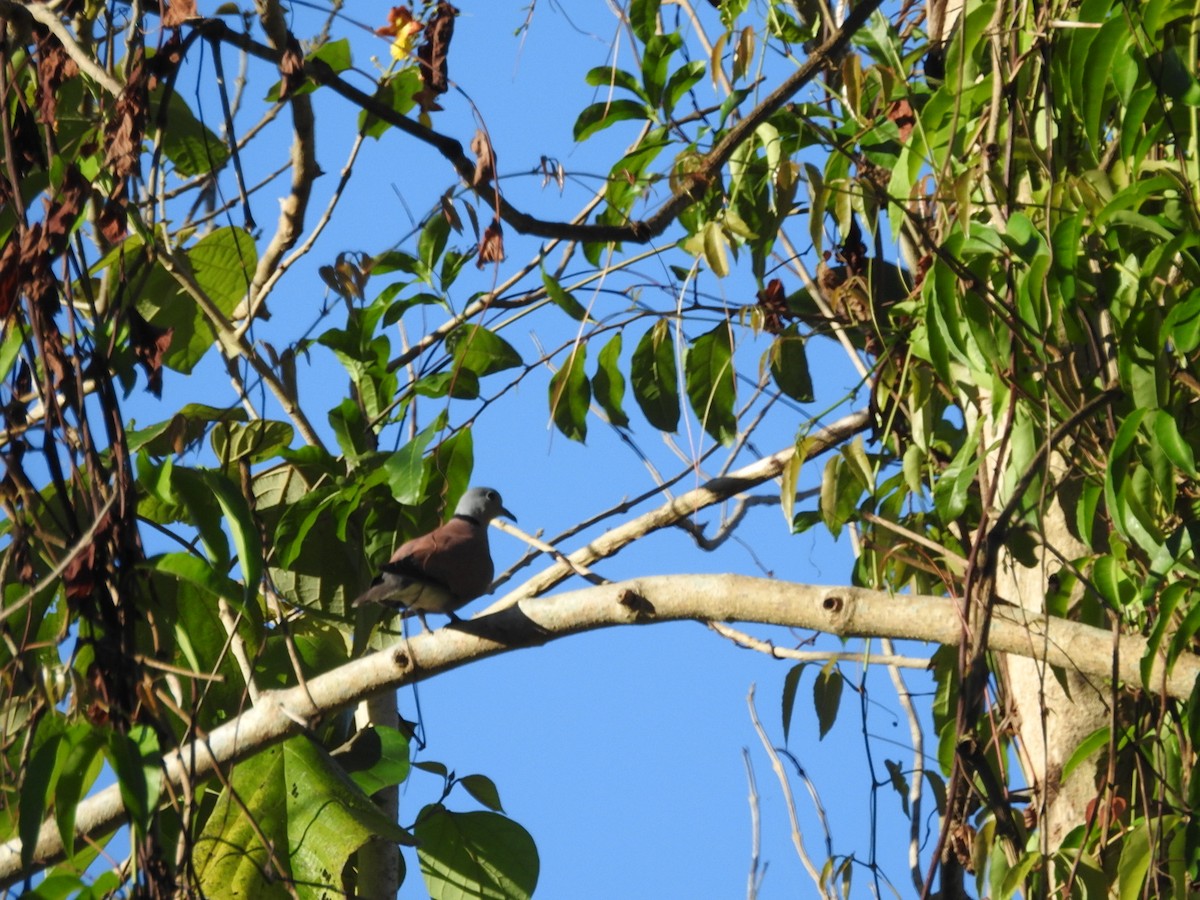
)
(482, 504)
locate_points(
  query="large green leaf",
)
(187, 142)
(789, 365)
(655, 377)
(570, 395)
(311, 814)
(223, 263)
(599, 116)
(480, 351)
(710, 382)
(477, 854)
(608, 384)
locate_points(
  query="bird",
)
(445, 569)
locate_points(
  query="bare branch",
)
(638, 232)
(672, 512)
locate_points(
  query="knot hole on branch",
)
(833, 604)
(642, 609)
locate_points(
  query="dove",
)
(446, 568)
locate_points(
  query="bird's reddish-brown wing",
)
(456, 556)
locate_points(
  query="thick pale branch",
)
(842, 611)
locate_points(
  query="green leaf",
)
(461, 385)
(612, 77)
(164, 304)
(656, 58)
(710, 382)
(599, 116)
(484, 790)
(564, 300)
(9, 350)
(480, 351)
(791, 682)
(432, 242)
(334, 54)
(310, 813)
(655, 377)
(681, 81)
(643, 18)
(1090, 745)
(952, 490)
(476, 854)
(223, 264)
(39, 777)
(1135, 860)
(199, 573)
(190, 146)
(378, 758)
(714, 245)
(134, 759)
(243, 529)
(1168, 601)
(350, 428)
(254, 442)
(608, 384)
(827, 697)
(789, 365)
(397, 94)
(407, 475)
(452, 461)
(79, 763)
(182, 431)
(297, 520)
(1172, 443)
(570, 395)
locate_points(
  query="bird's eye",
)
(492, 495)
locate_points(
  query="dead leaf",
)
(291, 68)
(434, 55)
(485, 159)
(901, 112)
(55, 66)
(179, 12)
(127, 124)
(491, 248)
(150, 343)
(449, 213)
(774, 306)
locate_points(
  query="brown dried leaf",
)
(113, 218)
(10, 276)
(901, 112)
(449, 213)
(55, 66)
(773, 303)
(179, 12)
(127, 124)
(491, 248)
(433, 54)
(150, 343)
(485, 159)
(291, 68)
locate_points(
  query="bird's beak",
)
(504, 512)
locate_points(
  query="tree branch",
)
(716, 490)
(841, 611)
(690, 189)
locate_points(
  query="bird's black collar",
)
(470, 519)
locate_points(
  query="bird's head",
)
(482, 504)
